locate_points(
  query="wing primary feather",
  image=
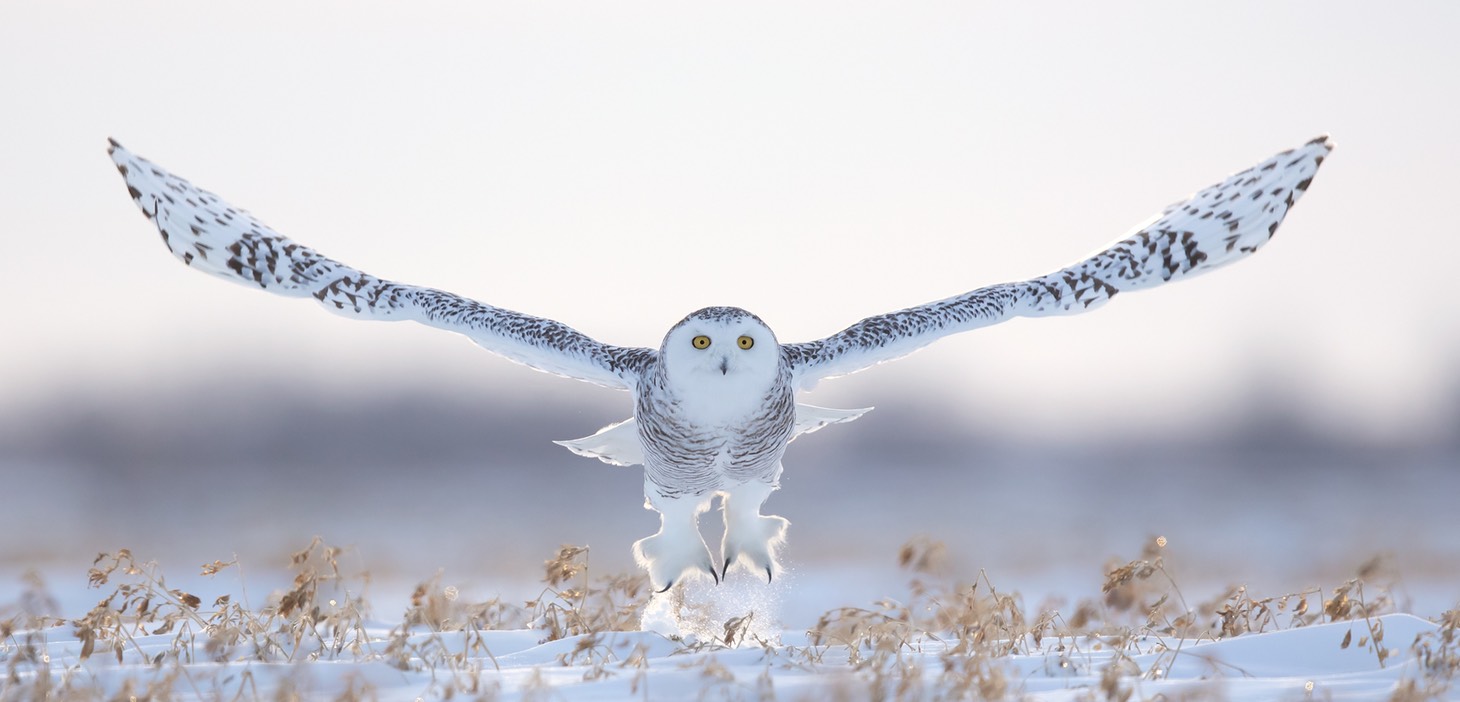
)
(1215, 226)
(207, 233)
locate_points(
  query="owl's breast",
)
(692, 446)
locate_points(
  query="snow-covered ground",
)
(1307, 663)
(605, 638)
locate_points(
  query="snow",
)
(1279, 665)
(940, 641)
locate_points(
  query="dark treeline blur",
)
(434, 478)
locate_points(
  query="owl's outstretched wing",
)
(1212, 228)
(209, 234)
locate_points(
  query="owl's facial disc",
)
(722, 343)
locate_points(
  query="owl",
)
(715, 405)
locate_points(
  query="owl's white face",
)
(721, 354)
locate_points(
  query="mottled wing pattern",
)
(207, 233)
(1212, 228)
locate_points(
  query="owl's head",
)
(722, 343)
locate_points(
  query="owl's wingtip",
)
(118, 152)
(1324, 140)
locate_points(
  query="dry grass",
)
(946, 640)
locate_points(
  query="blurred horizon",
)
(445, 478)
(1257, 407)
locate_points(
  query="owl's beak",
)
(724, 366)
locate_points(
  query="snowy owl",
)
(715, 404)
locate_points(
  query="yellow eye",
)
(745, 342)
(701, 342)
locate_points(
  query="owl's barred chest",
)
(701, 437)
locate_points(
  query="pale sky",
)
(618, 165)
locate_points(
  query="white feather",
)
(618, 444)
(1215, 226)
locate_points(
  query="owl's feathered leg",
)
(677, 548)
(750, 537)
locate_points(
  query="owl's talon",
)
(672, 554)
(754, 542)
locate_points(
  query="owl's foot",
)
(674, 555)
(753, 542)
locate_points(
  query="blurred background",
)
(617, 166)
